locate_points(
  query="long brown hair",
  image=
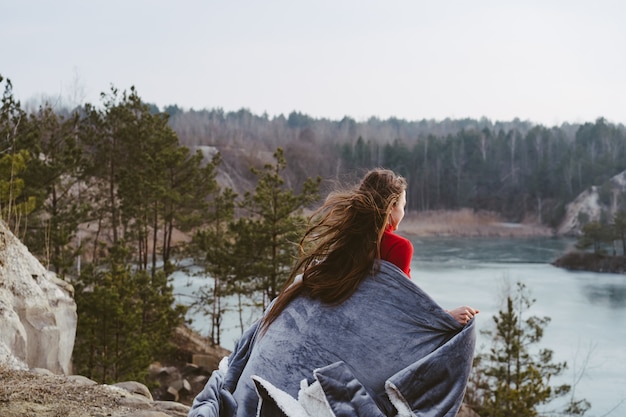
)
(341, 244)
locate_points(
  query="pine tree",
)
(15, 203)
(274, 227)
(619, 225)
(144, 186)
(594, 235)
(212, 248)
(125, 319)
(55, 179)
(513, 379)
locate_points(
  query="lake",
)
(587, 310)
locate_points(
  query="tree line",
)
(517, 169)
(110, 199)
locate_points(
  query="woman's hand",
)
(463, 314)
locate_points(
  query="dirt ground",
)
(23, 393)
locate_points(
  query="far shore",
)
(467, 223)
(454, 223)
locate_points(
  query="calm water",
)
(587, 310)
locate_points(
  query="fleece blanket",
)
(389, 350)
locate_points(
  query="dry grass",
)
(467, 223)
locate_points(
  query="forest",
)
(111, 196)
(515, 168)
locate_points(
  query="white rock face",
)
(37, 311)
(588, 204)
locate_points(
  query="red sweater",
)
(397, 250)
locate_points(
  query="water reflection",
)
(452, 251)
(611, 295)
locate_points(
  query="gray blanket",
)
(389, 350)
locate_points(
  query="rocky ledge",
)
(40, 393)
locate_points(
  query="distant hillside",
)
(516, 169)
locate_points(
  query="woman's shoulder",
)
(391, 239)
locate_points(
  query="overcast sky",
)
(545, 61)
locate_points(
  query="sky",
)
(548, 62)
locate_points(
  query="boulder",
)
(37, 311)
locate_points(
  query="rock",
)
(136, 395)
(174, 386)
(41, 371)
(37, 311)
(182, 377)
(585, 206)
(135, 402)
(590, 206)
(81, 380)
(6, 356)
(171, 408)
(466, 411)
(135, 388)
(146, 413)
(208, 361)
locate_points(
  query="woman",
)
(393, 248)
(348, 234)
(349, 332)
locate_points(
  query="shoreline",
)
(467, 223)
